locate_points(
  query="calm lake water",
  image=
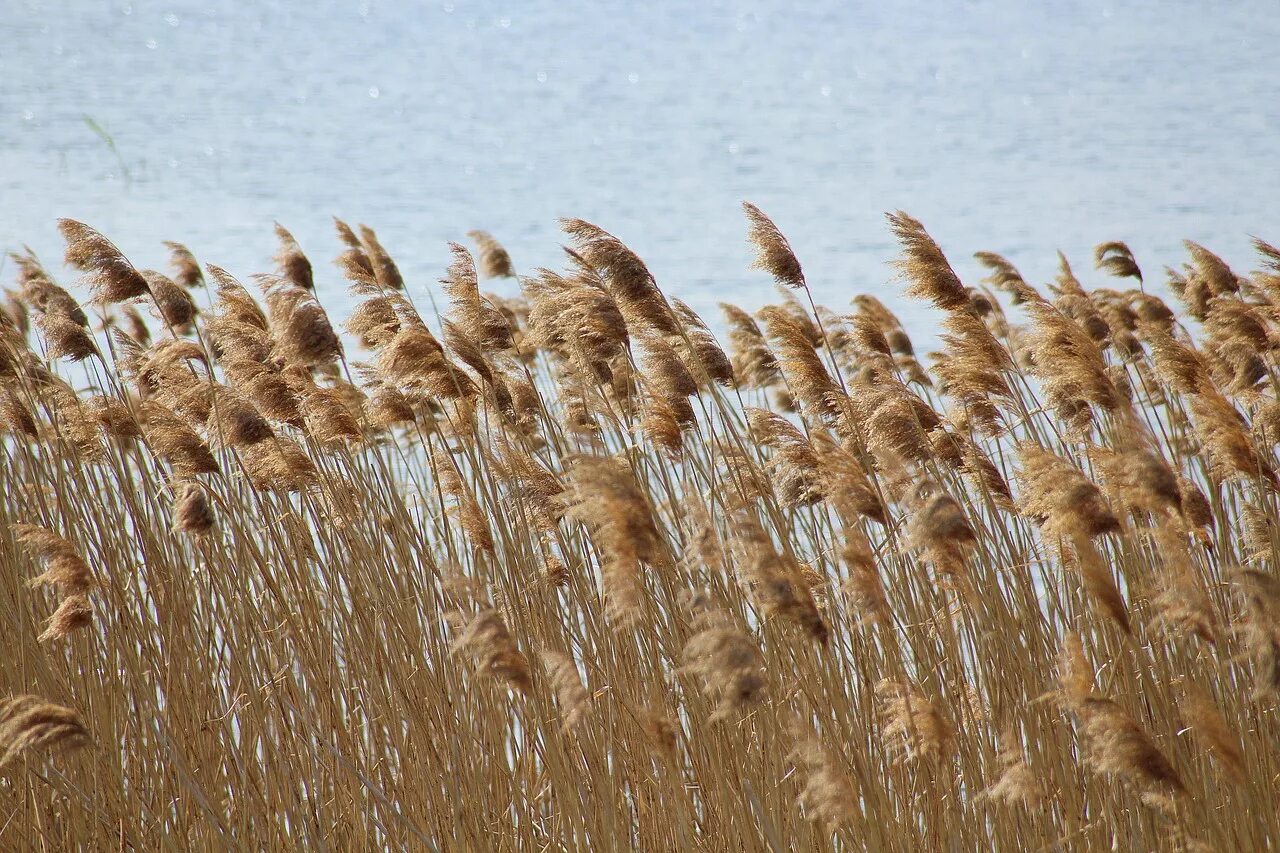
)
(1016, 127)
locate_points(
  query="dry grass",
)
(558, 572)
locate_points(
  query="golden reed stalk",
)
(560, 571)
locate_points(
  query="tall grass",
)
(565, 572)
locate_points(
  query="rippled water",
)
(1015, 127)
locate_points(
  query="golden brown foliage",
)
(557, 572)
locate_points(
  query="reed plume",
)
(577, 319)
(1260, 627)
(928, 273)
(65, 338)
(111, 276)
(41, 292)
(385, 271)
(775, 580)
(828, 796)
(1211, 729)
(940, 529)
(186, 269)
(1113, 740)
(300, 329)
(1116, 259)
(494, 260)
(754, 365)
(627, 277)
(571, 695)
(804, 370)
(174, 305)
(292, 263)
(74, 613)
(29, 723)
(485, 638)
(176, 442)
(64, 568)
(482, 322)
(730, 667)
(606, 497)
(414, 362)
(914, 723)
(1018, 783)
(191, 510)
(1005, 276)
(355, 257)
(773, 252)
(1061, 498)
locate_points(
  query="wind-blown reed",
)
(559, 571)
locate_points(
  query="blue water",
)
(1016, 127)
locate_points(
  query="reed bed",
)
(570, 571)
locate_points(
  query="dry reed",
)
(561, 572)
